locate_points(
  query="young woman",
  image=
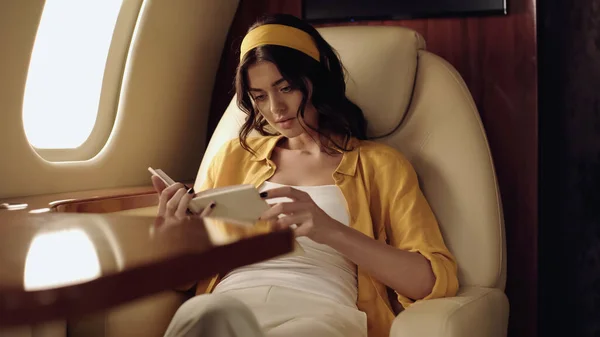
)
(355, 205)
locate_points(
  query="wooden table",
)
(61, 265)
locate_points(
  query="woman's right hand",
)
(174, 200)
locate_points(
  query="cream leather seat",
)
(418, 103)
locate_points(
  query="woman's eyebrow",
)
(279, 81)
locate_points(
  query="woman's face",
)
(277, 101)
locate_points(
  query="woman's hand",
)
(174, 200)
(311, 220)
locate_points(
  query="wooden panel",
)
(497, 58)
(569, 72)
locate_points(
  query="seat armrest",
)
(474, 311)
(122, 201)
(107, 204)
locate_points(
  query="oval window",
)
(66, 71)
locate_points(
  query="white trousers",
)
(266, 311)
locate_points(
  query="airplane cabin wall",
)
(163, 107)
(497, 57)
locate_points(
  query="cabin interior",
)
(160, 93)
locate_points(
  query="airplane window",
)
(66, 71)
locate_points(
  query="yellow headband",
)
(280, 35)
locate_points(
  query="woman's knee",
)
(212, 314)
(212, 305)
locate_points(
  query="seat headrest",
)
(381, 63)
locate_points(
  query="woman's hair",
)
(337, 115)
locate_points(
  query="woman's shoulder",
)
(385, 163)
(379, 154)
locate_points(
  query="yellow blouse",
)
(384, 202)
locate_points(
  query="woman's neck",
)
(308, 143)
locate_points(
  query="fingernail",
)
(191, 191)
(263, 194)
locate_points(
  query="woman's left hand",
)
(311, 220)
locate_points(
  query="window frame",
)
(112, 83)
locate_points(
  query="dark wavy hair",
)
(337, 115)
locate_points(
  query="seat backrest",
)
(416, 102)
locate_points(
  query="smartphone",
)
(166, 179)
(238, 202)
(162, 175)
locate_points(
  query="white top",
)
(322, 270)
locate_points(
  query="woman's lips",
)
(286, 123)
